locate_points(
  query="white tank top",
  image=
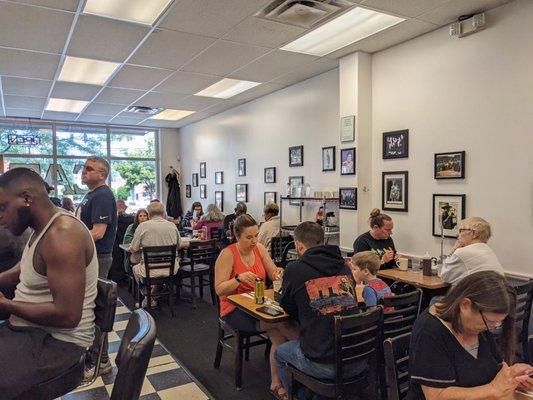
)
(33, 288)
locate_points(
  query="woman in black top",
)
(453, 354)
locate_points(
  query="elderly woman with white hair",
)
(470, 253)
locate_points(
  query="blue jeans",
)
(291, 352)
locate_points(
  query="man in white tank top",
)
(51, 319)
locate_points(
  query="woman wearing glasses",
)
(470, 253)
(453, 354)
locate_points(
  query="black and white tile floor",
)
(165, 378)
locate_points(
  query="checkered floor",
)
(165, 378)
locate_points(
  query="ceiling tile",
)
(29, 103)
(159, 123)
(307, 71)
(26, 87)
(169, 49)
(75, 91)
(136, 77)
(186, 83)
(62, 116)
(26, 64)
(68, 5)
(97, 119)
(224, 57)
(209, 17)
(262, 32)
(33, 28)
(451, 10)
(405, 8)
(196, 103)
(19, 112)
(256, 92)
(164, 100)
(126, 121)
(103, 109)
(273, 65)
(119, 96)
(104, 38)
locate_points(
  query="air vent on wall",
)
(303, 13)
(143, 110)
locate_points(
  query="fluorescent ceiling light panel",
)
(172, 115)
(140, 11)
(346, 29)
(226, 88)
(85, 70)
(66, 105)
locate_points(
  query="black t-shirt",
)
(99, 207)
(228, 225)
(437, 359)
(379, 246)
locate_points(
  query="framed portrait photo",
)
(395, 191)
(241, 192)
(448, 210)
(296, 156)
(219, 178)
(271, 197)
(348, 198)
(219, 200)
(348, 161)
(328, 158)
(270, 175)
(188, 191)
(348, 128)
(396, 144)
(195, 180)
(241, 167)
(203, 191)
(450, 165)
(295, 181)
(203, 170)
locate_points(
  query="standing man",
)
(228, 237)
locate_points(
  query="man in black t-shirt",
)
(228, 237)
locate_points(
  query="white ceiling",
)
(192, 45)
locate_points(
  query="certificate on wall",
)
(348, 128)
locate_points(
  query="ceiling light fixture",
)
(86, 70)
(66, 105)
(172, 115)
(226, 88)
(348, 28)
(139, 11)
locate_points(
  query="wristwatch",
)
(237, 278)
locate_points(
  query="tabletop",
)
(185, 242)
(417, 279)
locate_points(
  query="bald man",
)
(52, 314)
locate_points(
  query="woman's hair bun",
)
(375, 212)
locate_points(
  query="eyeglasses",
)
(91, 169)
(495, 325)
(461, 230)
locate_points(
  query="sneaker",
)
(145, 303)
(88, 374)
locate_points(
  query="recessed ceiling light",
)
(85, 70)
(226, 88)
(66, 105)
(172, 115)
(346, 29)
(139, 11)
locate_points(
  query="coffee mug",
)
(402, 264)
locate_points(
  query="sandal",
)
(279, 393)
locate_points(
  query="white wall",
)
(473, 94)
(169, 152)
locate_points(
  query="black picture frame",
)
(328, 158)
(188, 191)
(203, 173)
(451, 209)
(348, 198)
(395, 191)
(295, 181)
(347, 166)
(296, 156)
(241, 192)
(219, 177)
(450, 165)
(219, 200)
(203, 191)
(195, 180)
(241, 167)
(270, 175)
(270, 197)
(396, 144)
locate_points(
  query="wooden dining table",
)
(417, 279)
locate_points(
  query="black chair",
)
(358, 338)
(397, 366)
(285, 255)
(277, 244)
(215, 234)
(524, 300)
(244, 341)
(158, 258)
(134, 355)
(201, 267)
(530, 342)
(400, 313)
(400, 287)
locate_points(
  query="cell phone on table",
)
(269, 311)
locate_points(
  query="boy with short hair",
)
(365, 266)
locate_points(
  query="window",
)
(132, 143)
(134, 181)
(73, 140)
(27, 139)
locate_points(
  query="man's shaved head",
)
(19, 179)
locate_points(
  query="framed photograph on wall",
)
(395, 191)
(348, 128)
(450, 165)
(296, 156)
(241, 192)
(195, 180)
(219, 178)
(396, 144)
(270, 175)
(271, 197)
(203, 191)
(296, 181)
(241, 167)
(219, 200)
(203, 170)
(348, 198)
(188, 191)
(328, 158)
(348, 161)
(448, 210)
